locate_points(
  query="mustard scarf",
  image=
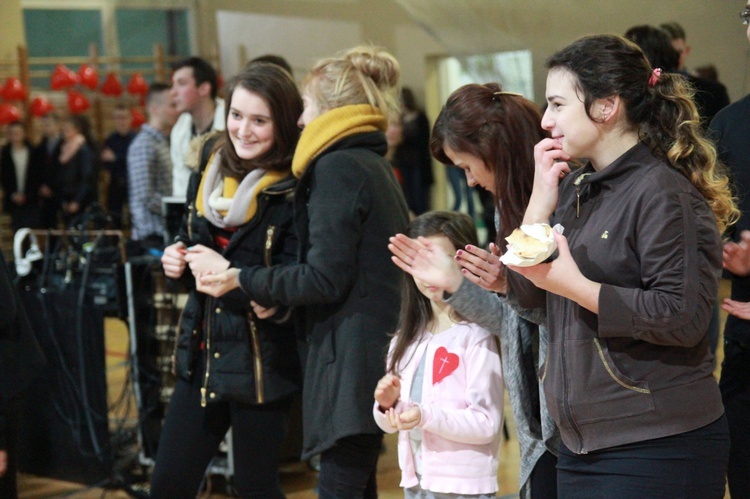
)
(332, 126)
(231, 202)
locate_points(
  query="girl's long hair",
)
(417, 315)
(663, 114)
(275, 86)
(501, 129)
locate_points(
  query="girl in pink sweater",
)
(443, 390)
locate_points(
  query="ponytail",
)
(673, 130)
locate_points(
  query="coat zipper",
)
(257, 360)
(577, 183)
(190, 221)
(204, 388)
(270, 231)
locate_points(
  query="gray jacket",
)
(523, 348)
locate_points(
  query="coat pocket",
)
(599, 391)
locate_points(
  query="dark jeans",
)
(687, 465)
(735, 393)
(191, 436)
(347, 470)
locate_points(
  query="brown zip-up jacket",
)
(640, 369)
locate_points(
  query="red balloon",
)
(9, 114)
(77, 102)
(13, 90)
(63, 77)
(112, 86)
(137, 85)
(88, 76)
(40, 106)
(136, 118)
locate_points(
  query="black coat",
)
(35, 172)
(248, 360)
(348, 203)
(20, 356)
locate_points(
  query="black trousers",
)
(690, 465)
(191, 436)
(735, 393)
(348, 469)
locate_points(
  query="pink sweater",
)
(462, 411)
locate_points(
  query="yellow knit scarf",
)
(232, 184)
(332, 126)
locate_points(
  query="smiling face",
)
(249, 124)
(474, 168)
(566, 119)
(433, 293)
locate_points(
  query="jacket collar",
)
(634, 158)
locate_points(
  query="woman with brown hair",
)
(490, 135)
(235, 369)
(629, 375)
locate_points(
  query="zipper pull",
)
(203, 397)
(577, 183)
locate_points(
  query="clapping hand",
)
(483, 267)
(426, 261)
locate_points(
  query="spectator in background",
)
(114, 159)
(678, 39)
(412, 155)
(22, 170)
(149, 168)
(51, 138)
(731, 129)
(74, 169)
(274, 59)
(194, 92)
(710, 97)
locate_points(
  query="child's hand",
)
(407, 420)
(388, 391)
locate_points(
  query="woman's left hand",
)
(483, 267)
(217, 285)
(203, 260)
(563, 277)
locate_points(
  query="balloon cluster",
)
(12, 91)
(64, 78)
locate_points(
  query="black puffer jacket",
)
(247, 359)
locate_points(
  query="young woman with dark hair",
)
(490, 135)
(235, 369)
(629, 375)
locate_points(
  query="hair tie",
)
(654, 78)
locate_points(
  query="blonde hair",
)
(361, 75)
